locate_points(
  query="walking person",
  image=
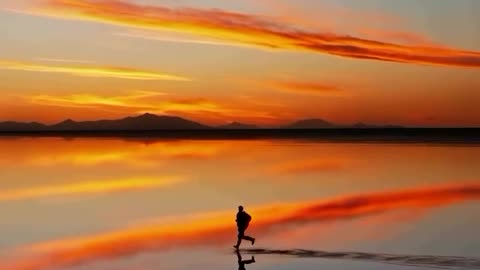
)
(243, 220)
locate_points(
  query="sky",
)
(264, 62)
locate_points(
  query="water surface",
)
(113, 203)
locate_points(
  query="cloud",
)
(407, 37)
(178, 38)
(138, 102)
(335, 17)
(93, 71)
(59, 60)
(134, 99)
(217, 229)
(252, 30)
(308, 87)
(80, 188)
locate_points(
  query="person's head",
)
(240, 208)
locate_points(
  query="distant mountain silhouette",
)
(237, 125)
(316, 123)
(19, 126)
(152, 122)
(363, 125)
(143, 122)
(310, 124)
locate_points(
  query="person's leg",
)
(241, 235)
(251, 239)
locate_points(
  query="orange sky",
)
(262, 62)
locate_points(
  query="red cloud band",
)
(254, 30)
(200, 232)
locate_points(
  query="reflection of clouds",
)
(85, 152)
(93, 187)
(212, 230)
(295, 167)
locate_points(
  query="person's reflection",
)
(242, 263)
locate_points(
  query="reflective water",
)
(113, 203)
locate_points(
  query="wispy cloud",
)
(134, 102)
(59, 60)
(216, 229)
(81, 188)
(307, 87)
(333, 17)
(93, 71)
(252, 30)
(178, 38)
(137, 102)
(134, 99)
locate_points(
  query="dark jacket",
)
(243, 219)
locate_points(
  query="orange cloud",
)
(333, 18)
(139, 102)
(95, 187)
(179, 38)
(136, 102)
(307, 87)
(252, 30)
(93, 71)
(217, 229)
(407, 37)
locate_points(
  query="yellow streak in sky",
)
(59, 60)
(179, 38)
(94, 187)
(142, 102)
(93, 71)
(81, 100)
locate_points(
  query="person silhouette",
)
(242, 263)
(243, 220)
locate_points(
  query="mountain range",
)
(151, 122)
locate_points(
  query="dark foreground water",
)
(107, 203)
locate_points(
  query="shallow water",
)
(113, 203)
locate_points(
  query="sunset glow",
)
(239, 134)
(264, 62)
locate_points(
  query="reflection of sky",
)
(217, 176)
